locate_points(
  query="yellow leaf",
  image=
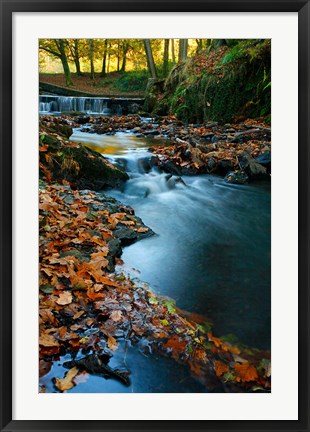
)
(112, 344)
(67, 383)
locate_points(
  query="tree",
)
(104, 58)
(183, 47)
(149, 57)
(125, 50)
(58, 48)
(173, 51)
(74, 47)
(166, 57)
(91, 58)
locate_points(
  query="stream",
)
(211, 254)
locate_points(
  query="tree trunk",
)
(118, 55)
(104, 58)
(173, 51)
(149, 57)
(183, 45)
(199, 43)
(77, 58)
(61, 44)
(166, 57)
(125, 50)
(109, 61)
(218, 43)
(91, 58)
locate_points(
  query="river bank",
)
(89, 310)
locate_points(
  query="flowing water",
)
(211, 253)
(212, 249)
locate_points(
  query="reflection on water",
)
(117, 144)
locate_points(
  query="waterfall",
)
(89, 105)
(53, 104)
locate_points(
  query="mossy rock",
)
(81, 166)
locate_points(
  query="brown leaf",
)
(48, 340)
(67, 382)
(246, 372)
(116, 315)
(44, 367)
(64, 298)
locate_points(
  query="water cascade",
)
(52, 104)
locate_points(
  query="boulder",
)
(236, 177)
(250, 166)
(81, 166)
(265, 160)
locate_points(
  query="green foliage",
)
(238, 84)
(132, 81)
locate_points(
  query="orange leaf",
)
(220, 368)
(246, 372)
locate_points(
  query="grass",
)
(113, 84)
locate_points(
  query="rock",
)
(154, 88)
(133, 108)
(81, 166)
(170, 167)
(146, 164)
(225, 166)
(128, 236)
(76, 253)
(82, 119)
(236, 177)
(152, 132)
(211, 164)
(265, 160)
(172, 181)
(250, 166)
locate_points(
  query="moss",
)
(82, 166)
(238, 85)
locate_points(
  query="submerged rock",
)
(237, 177)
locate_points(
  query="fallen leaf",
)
(48, 340)
(67, 382)
(64, 298)
(112, 344)
(116, 315)
(220, 368)
(246, 372)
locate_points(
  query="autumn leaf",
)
(220, 368)
(112, 344)
(116, 315)
(44, 367)
(246, 372)
(67, 382)
(78, 315)
(176, 343)
(142, 230)
(64, 298)
(48, 340)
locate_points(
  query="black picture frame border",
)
(7, 8)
